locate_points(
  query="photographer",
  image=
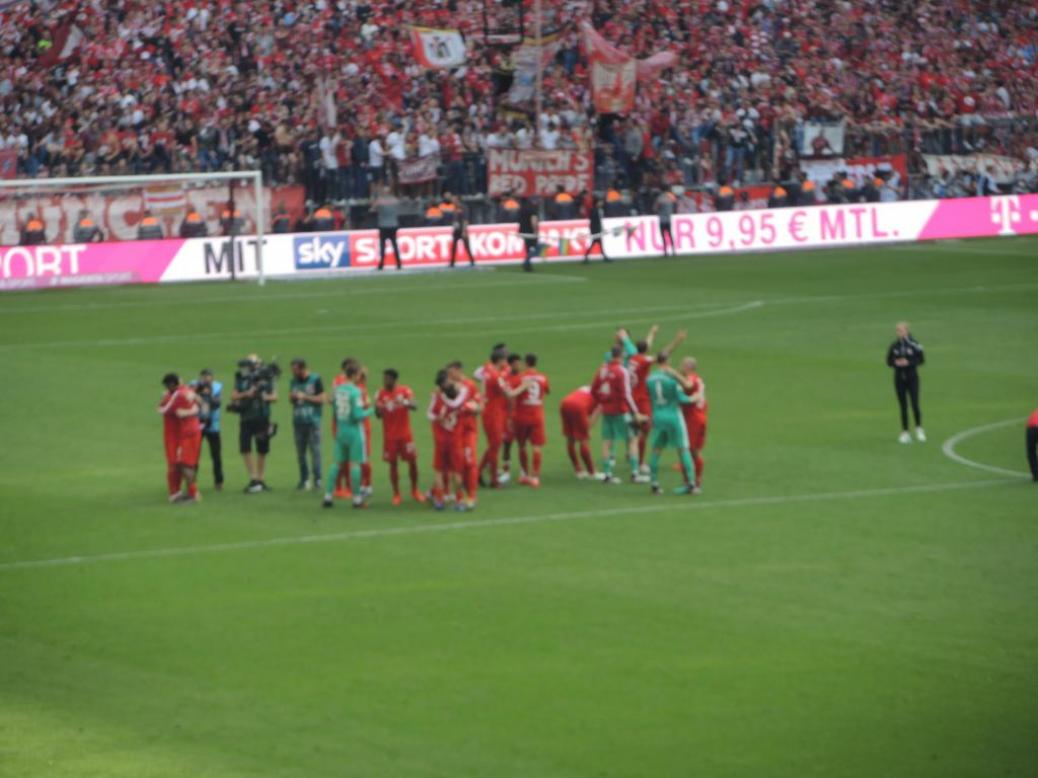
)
(210, 395)
(306, 393)
(254, 391)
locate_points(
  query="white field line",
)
(261, 296)
(949, 451)
(380, 328)
(336, 331)
(691, 504)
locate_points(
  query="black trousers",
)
(601, 247)
(907, 388)
(531, 249)
(665, 235)
(1032, 451)
(213, 438)
(387, 234)
(463, 238)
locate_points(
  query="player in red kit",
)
(511, 378)
(695, 415)
(393, 405)
(443, 422)
(529, 419)
(495, 409)
(639, 366)
(470, 404)
(612, 389)
(579, 409)
(182, 435)
(366, 489)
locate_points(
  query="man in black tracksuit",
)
(595, 239)
(905, 355)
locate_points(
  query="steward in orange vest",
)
(149, 227)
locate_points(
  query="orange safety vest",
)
(878, 182)
(34, 225)
(448, 207)
(323, 213)
(779, 192)
(563, 197)
(149, 221)
(86, 223)
(725, 191)
(510, 205)
(433, 213)
(612, 196)
(228, 215)
(847, 184)
(808, 186)
(193, 218)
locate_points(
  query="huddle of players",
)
(633, 400)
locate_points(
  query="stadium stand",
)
(110, 87)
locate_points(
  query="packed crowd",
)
(327, 93)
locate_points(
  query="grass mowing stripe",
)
(739, 502)
(948, 448)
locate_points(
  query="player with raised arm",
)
(529, 419)
(394, 403)
(349, 410)
(668, 424)
(182, 434)
(579, 410)
(612, 390)
(495, 409)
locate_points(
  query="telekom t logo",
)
(1005, 211)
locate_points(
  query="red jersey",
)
(512, 381)
(612, 389)
(529, 403)
(1032, 420)
(394, 408)
(180, 399)
(695, 415)
(580, 400)
(639, 365)
(169, 419)
(493, 389)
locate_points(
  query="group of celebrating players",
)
(645, 406)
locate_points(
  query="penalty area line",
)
(695, 504)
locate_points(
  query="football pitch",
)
(833, 604)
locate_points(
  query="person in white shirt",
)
(550, 137)
(376, 160)
(427, 144)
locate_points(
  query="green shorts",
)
(349, 447)
(616, 427)
(668, 433)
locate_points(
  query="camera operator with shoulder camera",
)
(254, 391)
(210, 395)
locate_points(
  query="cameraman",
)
(253, 394)
(307, 395)
(210, 395)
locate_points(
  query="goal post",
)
(228, 204)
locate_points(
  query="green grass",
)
(806, 616)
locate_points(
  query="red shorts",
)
(188, 450)
(697, 436)
(530, 432)
(575, 424)
(367, 440)
(398, 448)
(443, 457)
(172, 446)
(494, 425)
(509, 435)
(644, 407)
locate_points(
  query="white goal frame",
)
(255, 176)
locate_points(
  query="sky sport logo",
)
(321, 253)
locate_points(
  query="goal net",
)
(61, 211)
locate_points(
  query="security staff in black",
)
(459, 230)
(597, 231)
(528, 223)
(905, 355)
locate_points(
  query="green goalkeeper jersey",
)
(348, 406)
(666, 396)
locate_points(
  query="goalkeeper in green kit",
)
(350, 411)
(668, 423)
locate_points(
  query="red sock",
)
(412, 469)
(472, 481)
(365, 474)
(698, 462)
(192, 489)
(536, 463)
(571, 449)
(524, 461)
(173, 479)
(394, 477)
(585, 454)
(641, 449)
(437, 494)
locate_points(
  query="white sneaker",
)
(644, 470)
(611, 479)
(920, 435)
(582, 475)
(904, 437)
(599, 476)
(504, 477)
(639, 478)
(367, 492)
